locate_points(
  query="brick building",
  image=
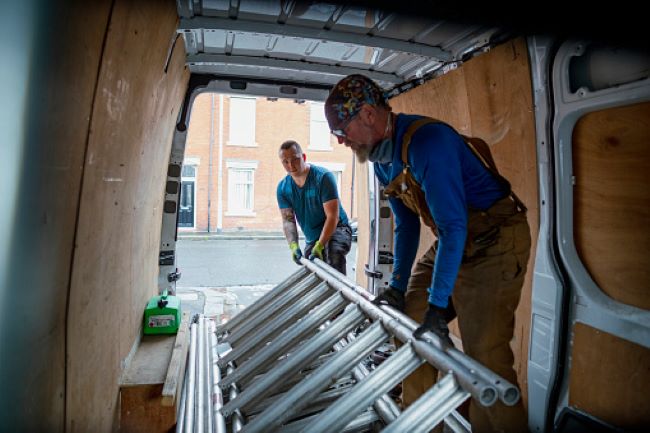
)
(231, 167)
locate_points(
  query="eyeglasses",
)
(340, 132)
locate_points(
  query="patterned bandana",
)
(347, 97)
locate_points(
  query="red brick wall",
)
(275, 122)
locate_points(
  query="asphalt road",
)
(225, 262)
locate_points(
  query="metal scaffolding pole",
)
(431, 408)
(277, 305)
(269, 354)
(318, 344)
(508, 393)
(274, 325)
(217, 395)
(244, 315)
(378, 382)
(284, 409)
(296, 361)
(432, 351)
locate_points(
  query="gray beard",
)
(362, 154)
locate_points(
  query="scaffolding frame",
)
(296, 360)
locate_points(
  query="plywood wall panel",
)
(499, 92)
(491, 96)
(611, 196)
(116, 258)
(610, 378)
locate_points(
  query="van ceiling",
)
(314, 44)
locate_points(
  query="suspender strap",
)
(477, 146)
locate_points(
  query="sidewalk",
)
(240, 234)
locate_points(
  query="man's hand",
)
(392, 297)
(434, 321)
(296, 254)
(317, 251)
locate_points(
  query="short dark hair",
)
(289, 144)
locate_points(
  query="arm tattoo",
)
(289, 225)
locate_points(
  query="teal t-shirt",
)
(307, 202)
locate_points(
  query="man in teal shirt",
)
(309, 195)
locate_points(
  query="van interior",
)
(97, 98)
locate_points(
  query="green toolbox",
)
(162, 315)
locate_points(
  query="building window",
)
(241, 188)
(242, 122)
(319, 131)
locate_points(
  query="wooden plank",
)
(141, 410)
(151, 361)
(176, 368)
(610, 378)
(611, 214)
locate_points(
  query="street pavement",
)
(220, 277)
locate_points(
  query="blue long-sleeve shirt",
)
(453, 180)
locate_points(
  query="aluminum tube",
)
(217, 395)
(277, 324)
(269, 296)
(291, 295)
(432, 350)
(385, 407)
(191, 382)
(507, 392)
(320, 402)
(362, 423)
(457, 423)
(236, 421)
(431, 408)
(431, 418)
(200, 377)
(380, 381)
(303, 393)
(302, 357)
(269, 354)
(208, 376)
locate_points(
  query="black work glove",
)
(436, 322)
(392, 297)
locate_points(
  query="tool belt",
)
(482, 225)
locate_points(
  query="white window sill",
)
(229, 143)
(241, 213)
(321, 149)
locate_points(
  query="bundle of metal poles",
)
(296, 361)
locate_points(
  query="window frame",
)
(240, 166)
(321, 121)
(252, 120)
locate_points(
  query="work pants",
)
(485, 297)
(337, 248)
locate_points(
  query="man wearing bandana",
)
(475, 269)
